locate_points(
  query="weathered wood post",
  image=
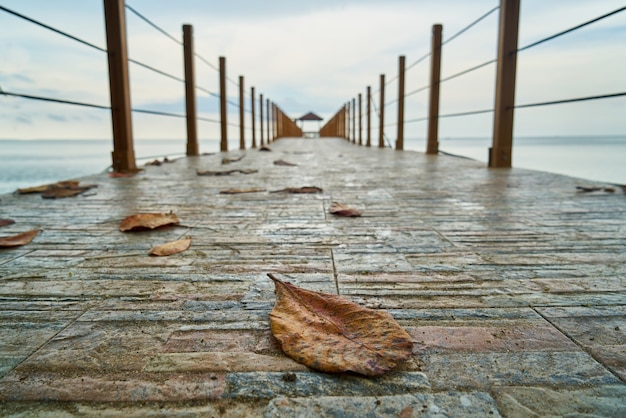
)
(354, 120)
(190, 92)
(500, 153)
(123, 154)
(360, 120)
(432, 143)
(400, 132)
(267, 111)
(369, 116)
(261, 118)
(223, 110)
(381, 128)
(242, 107)
(253, 121)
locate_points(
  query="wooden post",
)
(190, 92)
(360, 121)
(353, 120)
(123, 154)
(400, 134)
(223, 110)
(261, 117)
(267, 108)
(432, 144)
(369, 116)
(501, 150)
(253, 116)
(242, 106)
(381, 128)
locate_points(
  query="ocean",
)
(25, 163)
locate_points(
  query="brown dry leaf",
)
(340, 209)
(19, 239)
(238, 191)
(5, 222)
(306, 189)
(284, 163)
(329, 333)
(58, 193)
(266, 149)
(170, 248)
(226, 172)
(45, 187)
(148, 221)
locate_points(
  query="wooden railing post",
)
(123, 154)
(432, 144)
(261, 118)
(190, 92)
(267, 111)
(400, 134)
(501, 150)
(242, 107)
(223, 110)
(360, 121)
(346, 121)
(353, 120)
(381, 128)
(369, 116)
(253, 121)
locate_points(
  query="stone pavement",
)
(511, 283)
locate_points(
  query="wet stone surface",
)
(510, 283)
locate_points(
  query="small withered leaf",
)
(299, 190)
(148, 221)
(19, 239)
(284, 163)
(5, 222)
(226, 172)
(329, 333)
(44, 187)
(238, 191)
(171, 248)
(340, 209)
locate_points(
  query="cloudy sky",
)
(311, 56)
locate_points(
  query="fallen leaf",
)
(267, 149)
(5, 222)
(58, 193)
(148, 221)
(306, 189)
(19, 239)
(340, 209)
(238, 191)
(285, 163)
(231, 160)
(170, 248)
(43, 188)
(226, 172)
(329, 333)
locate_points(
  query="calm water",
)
(30, 163)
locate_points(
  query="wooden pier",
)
(510, 282)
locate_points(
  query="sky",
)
(311, 56)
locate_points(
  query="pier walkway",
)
(511, 283)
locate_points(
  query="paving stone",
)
(482, 370)
(298, 384)
(449, 404)
(600, 401)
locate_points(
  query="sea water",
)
(25, 163)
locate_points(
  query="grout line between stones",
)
(25, 359)
(609, 369)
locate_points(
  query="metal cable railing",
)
(474, 68)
